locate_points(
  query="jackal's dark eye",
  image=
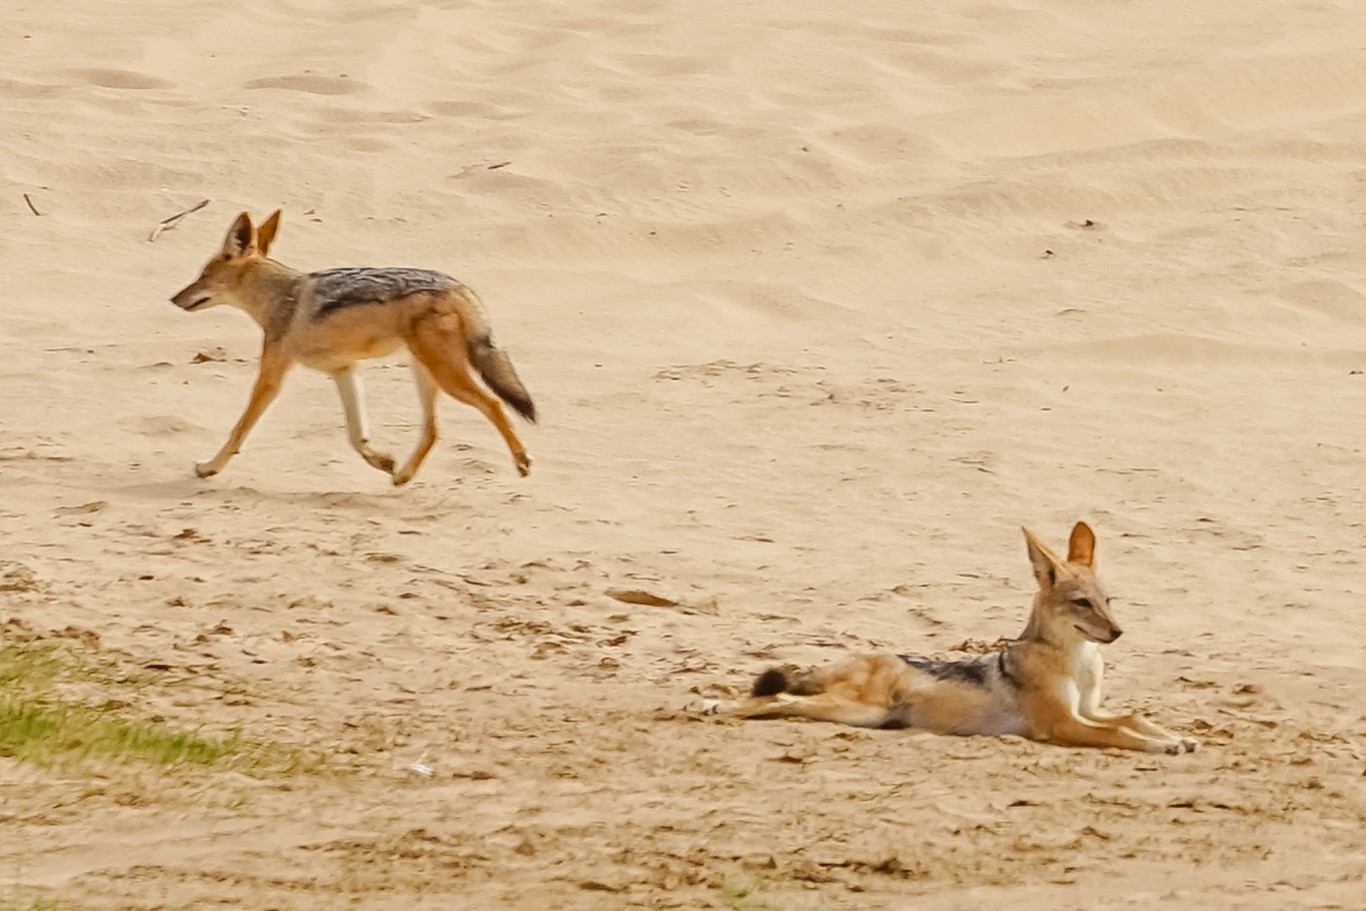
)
(1083, 602)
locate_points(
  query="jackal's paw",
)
(380, 460)
(523, 463)
(402, 477)
(706, 707)
(1182, 745)
(205, 469)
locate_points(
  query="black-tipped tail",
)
(788, 679)
(496, 369)
(771, 682)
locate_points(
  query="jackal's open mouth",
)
(196, 303)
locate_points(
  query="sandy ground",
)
(819, 304)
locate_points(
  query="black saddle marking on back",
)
(337, 289)
(972, 670)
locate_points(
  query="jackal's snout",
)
(1098, 629)
(192, 296)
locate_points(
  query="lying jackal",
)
(1045, 685)
(329, 320)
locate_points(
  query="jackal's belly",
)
(354, 347)
(969, 697)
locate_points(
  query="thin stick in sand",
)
(167, 224)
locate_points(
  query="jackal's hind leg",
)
(357, 424)
(820, 707)
(426, 397)
(443, 354)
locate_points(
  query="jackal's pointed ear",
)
(265, 235)
(1045, 562)
(1081, 547)
(241, 236)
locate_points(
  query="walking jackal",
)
(329, 320)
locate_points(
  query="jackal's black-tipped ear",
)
(241, 236)
(1081, 547)
(1045, 562)
(265, 235)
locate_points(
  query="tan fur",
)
(1046, 685)
(330, 320)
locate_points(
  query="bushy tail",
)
(786, 679)
(492, 362)
(495, 367)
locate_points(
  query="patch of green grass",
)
(33, 904)
(27, 666)
(38, 725)
(746, 893)
(44, 732)
(739, 894)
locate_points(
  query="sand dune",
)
(819, 304)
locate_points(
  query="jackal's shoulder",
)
(336, 289)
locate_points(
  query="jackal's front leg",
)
(1077, 731)
(272, 371)
(1142, 725)
(357, 429)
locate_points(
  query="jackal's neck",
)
(1037, 629)
(267, 285)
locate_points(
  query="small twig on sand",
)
(167, 224)
(31, 207)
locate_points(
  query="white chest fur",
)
(1086, 668)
